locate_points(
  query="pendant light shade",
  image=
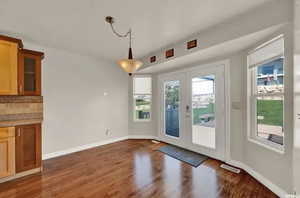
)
(129, 65)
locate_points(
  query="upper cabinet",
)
(8, 67)
(20, 69)
(30, 72)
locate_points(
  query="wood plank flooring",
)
(131, 168)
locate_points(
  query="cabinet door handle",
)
(20, 88)
(19, 132)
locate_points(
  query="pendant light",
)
(130, 65)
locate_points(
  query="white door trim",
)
(227, 109)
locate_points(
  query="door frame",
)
(227, 106)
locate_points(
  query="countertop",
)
(19, 122)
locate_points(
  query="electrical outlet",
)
(107, 132)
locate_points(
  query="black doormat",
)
(192, 158)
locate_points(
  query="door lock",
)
(187, 108)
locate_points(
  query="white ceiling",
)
(78, 25)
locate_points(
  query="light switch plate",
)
(236, 105)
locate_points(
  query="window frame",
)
(253, 95)
(134, 102)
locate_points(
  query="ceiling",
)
(78, 25)
(220, 50)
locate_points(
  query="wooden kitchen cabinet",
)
(7, 152)
(28, 147)
(29, 72)
(20, 69)
(8, 67)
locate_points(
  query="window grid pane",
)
(267, 52)
(142, 85)
(268, 91)
(269, 77)
(142, 107)
(142, 90)
(269, 112)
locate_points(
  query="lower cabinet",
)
(7, 152)
(28, 147)
(20, 151)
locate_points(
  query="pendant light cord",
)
(122, 35)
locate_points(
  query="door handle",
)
(187, 111)
(21, 89)
(187, 108)
(19, 132)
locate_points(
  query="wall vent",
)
(152, 59)
(169, 53)
(230, 168)
(191, 44)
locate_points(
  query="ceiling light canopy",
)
(129, 65)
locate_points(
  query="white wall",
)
(236, 131)
(76, 112)
(297, 95)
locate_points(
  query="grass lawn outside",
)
(272, 112)
(197, 112)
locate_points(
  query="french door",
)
(192, 110)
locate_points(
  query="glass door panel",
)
(203, 111)
(171, 108)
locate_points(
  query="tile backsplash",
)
(20, 108)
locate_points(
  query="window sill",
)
(141, 121)
(267, 144)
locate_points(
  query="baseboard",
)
(274, 188)
(22, 174)
(148, 137)
(81, 148)
(92, 145)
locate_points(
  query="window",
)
(266, 93)
(142, 95)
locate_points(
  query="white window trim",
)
(251, 106)
(133, 94)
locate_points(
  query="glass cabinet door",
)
(29, 73)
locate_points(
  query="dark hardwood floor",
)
(131, 168)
